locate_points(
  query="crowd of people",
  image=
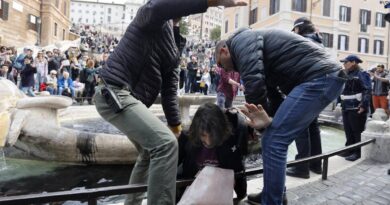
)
(71, 73)
(95, 41)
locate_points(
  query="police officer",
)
(355, 100)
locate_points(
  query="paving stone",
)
(334, 202)
(380, 200)
(345, 200)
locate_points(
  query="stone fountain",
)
(30, 128)
(379, 129)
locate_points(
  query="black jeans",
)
(309, 144)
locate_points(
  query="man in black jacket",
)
(272, 59)
(143, 65)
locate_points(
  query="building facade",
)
(111, 17)
(200, 25)
(347, 26)
(33, 22)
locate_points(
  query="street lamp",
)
(39, 21)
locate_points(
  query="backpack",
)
(19, 61)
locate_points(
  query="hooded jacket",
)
(270, 58)
(146, 59)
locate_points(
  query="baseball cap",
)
(301, 21)
(352, 58)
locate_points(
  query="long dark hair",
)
(210, 118)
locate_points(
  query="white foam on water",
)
(3, 164)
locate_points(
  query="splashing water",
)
(3, 164)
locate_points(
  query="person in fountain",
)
(143, 65)
(216, 138)
(273, 60)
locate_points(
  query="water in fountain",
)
(3, 164)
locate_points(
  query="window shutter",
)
(381, 49)
(4, 8)
(340, 15)
(367, 43)
(338, 42)
(383, 20)
(368, 17)
(359, 44)
(348, 14)
(375, 47)
(331, 41)
(360, 17)
(346, 43)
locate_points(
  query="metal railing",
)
(91, 195)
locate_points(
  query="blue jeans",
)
(28, 91)
(294, 115)
(223, 101)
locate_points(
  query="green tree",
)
(183, 28)
(215, 33)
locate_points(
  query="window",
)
(55, 29)
(365, 17)
(236, 21)
(326, 8)
(363, 45)
(327, 40)
(63, 34)
(226, 26)
(109, 10)
(4, 7)
(380, 20)
(86, 20)
(345, 14)
(65, 8)
(57, 3)
(299, 5)
(378, 47)
(108, 19)
(32, 22)
(131, 17)
(343, 43)
(253, 16)
(274, 6)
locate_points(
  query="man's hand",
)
(227, 3)
(176, 21)
(257, 117)
(361, 110)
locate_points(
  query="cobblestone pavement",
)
(367, 183)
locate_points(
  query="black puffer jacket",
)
(147, 56)
(271, 58)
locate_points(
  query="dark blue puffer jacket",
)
(271, 58)
(147, 56)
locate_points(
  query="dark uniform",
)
(356, 95)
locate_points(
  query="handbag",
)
(212, 186)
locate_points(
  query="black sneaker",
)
(352, 157)
(255, 199)
(317, 170)
(294, 172)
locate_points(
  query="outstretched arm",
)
(155, 12)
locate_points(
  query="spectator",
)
(65, 85)
(90, 80)
(51, 82)
(227, 87)
(205, 81)
(78, 90)
(27, 76)
(380, 88)
(192, 69)
(41, 64)
(5, 74)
